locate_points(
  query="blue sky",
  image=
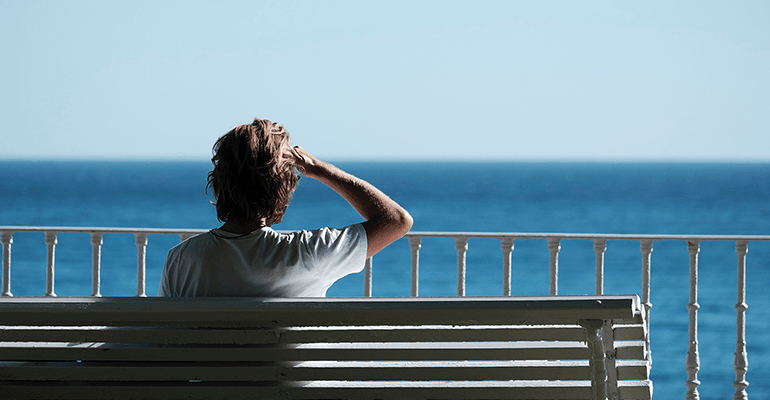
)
(388, 80)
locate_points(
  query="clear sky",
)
(382, 80)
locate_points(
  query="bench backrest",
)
(482, 347)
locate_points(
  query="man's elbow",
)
(404, 221)
(400, 222)
(386, 229)
(393, 224)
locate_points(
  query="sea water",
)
(628, 198)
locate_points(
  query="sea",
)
(524, 197)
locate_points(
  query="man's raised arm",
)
(386, 221)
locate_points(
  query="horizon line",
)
(619, 160)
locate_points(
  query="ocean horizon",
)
(684, 198)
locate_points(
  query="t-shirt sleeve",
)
(337, 252)
(164, 289)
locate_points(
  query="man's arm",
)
(386, 221)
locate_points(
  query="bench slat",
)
(301, 352)
(138, 335)
(306, 335)
(630, 332)
(366, 390)
(137, 371)
(629, 370)
(460, 371)
(462, 390)
(635, 389)
(246, 311)
(314, 390)
(308, 371)
(630, 350)
(331, 351)
(497, 333)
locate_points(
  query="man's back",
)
(263, 262)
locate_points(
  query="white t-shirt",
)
(263, 263)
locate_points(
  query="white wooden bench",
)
(565, 347)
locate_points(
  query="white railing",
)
(692, 366)
(6, 238)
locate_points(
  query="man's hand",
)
(386, 221)
(305, 163)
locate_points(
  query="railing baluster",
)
(414, 246)
(741, 363)
(645, 246)
(6, 238)
(141, 248)
(600, 246)
(96, 264)
(553, 249)
(461, 245)
(368, 277)
(693, 360)
(50, 241)
(506, 246)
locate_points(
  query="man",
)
(254, 176)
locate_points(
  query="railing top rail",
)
(524, 235)
(493, 235)
(98, 229)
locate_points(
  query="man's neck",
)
(241, 226)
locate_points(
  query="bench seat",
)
(565, 347)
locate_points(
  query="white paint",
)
(461, 245)
(349, 349)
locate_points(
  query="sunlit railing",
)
(554, 240)
(6, 238)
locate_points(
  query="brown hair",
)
(250, 179)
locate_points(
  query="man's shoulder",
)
(192, 242)
(319, 234)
